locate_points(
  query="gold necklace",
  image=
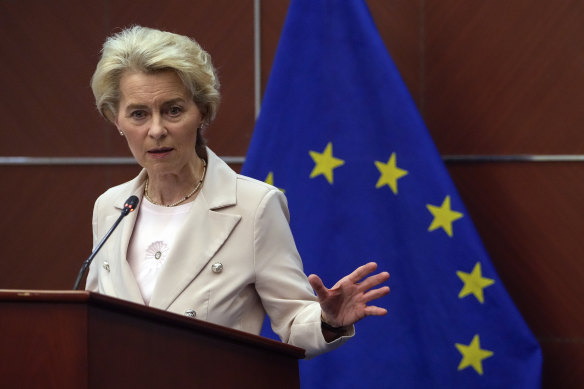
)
(184, 198)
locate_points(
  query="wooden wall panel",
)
(46, 225)
(48, 50)
(504, 77)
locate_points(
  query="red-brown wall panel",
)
(46, 228)
(504, 77)
(48, 50)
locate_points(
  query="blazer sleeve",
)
(281, 283)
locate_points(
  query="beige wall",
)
(490, 78)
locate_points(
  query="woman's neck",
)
(170, 189)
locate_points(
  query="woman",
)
(205, 241)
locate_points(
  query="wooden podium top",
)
(96, 299)
(86, 340)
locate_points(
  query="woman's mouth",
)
(160, 152)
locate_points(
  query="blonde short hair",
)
(149, 50)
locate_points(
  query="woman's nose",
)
(157, 128)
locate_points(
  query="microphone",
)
(129, 206)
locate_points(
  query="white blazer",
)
(235, 221)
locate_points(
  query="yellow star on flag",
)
(474, 283)
(270, 180)
(390, 173)
(325, 163)
(473, 355)
(443, 216)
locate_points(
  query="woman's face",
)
(159, 121)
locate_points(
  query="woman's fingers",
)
(317, 285)
(374, 280)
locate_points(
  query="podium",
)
(73, 339)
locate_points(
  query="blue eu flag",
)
(340, 134)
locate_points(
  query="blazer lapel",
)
(200, 238)
(205, 231)
(124, 281)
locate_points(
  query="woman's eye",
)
(174, 110)
(138, 114)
